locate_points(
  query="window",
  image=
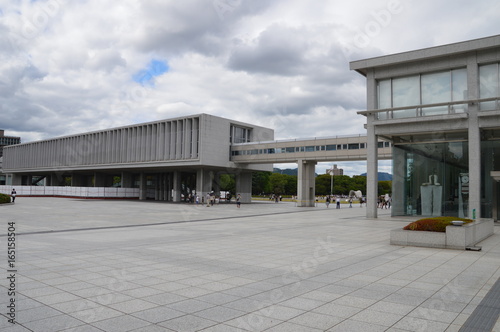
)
(240, 134)
(331, 147)
(353, 146)
(424, 89)
(309, 148)
(290, 150)
(489, 85)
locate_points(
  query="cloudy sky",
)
(74, 66)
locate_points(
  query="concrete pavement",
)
(96, 265)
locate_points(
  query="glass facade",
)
(424, 89)
(489, 85)
(431, 175)
(490, 161)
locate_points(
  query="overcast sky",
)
(74, 66)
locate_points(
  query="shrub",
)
(434, 224)
(4, 198)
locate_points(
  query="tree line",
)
(266, 183)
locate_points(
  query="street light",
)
(331, 181)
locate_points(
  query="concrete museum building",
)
(161, 160)
(440, 109)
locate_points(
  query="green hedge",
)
(435, 224)
(4, 198)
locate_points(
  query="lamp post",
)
(331, 181)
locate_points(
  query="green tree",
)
(260, 182)
(323, 184)
(277, 183)
(384, 187)
(291, 184)
(227, 183)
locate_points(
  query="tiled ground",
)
(104, 266)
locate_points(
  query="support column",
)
(168, 187)
(17, 179)
(306, 184)
(142, 187)
(127, 180)
(244, 186)
(176, 192)
(204, 180)
(475, 166)
(371, 169)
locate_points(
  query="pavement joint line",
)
(156, 224)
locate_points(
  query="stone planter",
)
(455, 237)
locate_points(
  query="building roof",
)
(362, 66)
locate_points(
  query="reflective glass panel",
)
(488, 84)
(406, 91)
(436, 88)
(459, 84)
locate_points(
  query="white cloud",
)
(68, 66)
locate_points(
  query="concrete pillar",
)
(306, 183)
(127, 180)
(244, 186)
(161, 186)
(142, 187)
(216, 184)
(176, 190)
(168, 187)
(371, 169)
(17, 179)
(157, 187)
(204, 180)
(474, 139)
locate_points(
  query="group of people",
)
(384, 201)
(210, 199)
(337, 200)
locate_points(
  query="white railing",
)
(82, 192)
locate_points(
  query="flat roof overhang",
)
(362, 66)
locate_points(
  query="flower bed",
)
(454, 237)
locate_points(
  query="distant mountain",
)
(382, 176)
(289, 171)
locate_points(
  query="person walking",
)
(350, 202)
(13, 195)
(338, 202)
(238, 201)
(327, 201)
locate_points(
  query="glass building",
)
(440, 108)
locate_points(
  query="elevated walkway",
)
(324, 149)
(307, 153)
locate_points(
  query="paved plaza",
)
(109, 265)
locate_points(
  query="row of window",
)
(310, 148)
(435, 88)
(9, 140)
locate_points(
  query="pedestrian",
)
(338, 202)
(361, 202)
(208, 199)
(197, 199)
(350, 202)
(13, 195)
(327, 202)
(238, 201)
